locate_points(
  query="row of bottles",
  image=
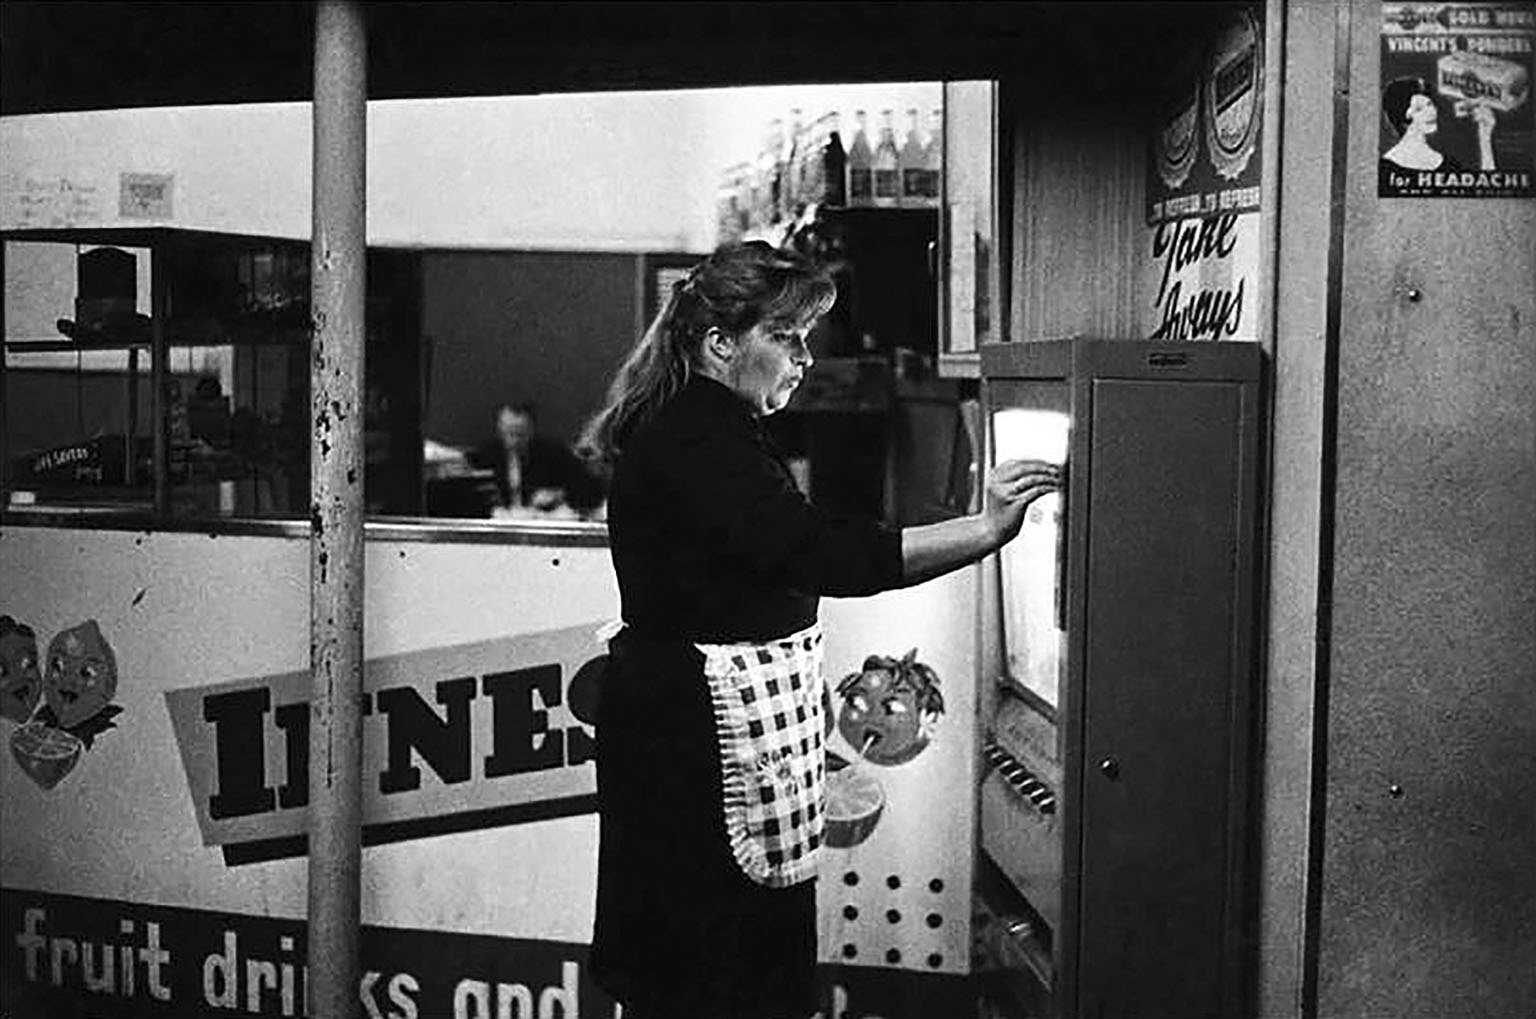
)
(808, 166)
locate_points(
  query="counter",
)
(177, 827)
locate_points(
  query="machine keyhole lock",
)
(1110, 768)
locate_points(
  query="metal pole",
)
(159, 354)
(5, 445)
(337, 255)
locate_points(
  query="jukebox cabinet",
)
(1118, 670)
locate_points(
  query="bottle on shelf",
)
(912, 165)
(832, 173)
(733, 206)
(861, 162)
(887, 165)
(726, 225)
(811, 184)
(790, 199)
(770, 174)
(933, 158)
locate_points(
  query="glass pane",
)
(530, 294)
(1033, 628)
(237, 380)
(77, 396)
(237, 418)
(970, 115)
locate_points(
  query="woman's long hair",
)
(733, 290)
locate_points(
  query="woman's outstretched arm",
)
(932, 550)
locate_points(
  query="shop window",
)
(166, 371)
(231, 352)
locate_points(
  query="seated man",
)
(535, 474)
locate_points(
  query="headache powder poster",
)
(1457, 119)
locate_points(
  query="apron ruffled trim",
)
(767, 701)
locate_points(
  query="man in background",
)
(534, 475)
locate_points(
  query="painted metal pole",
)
(337, 279)
(159, 373)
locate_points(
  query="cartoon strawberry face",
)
(21, 682)
(82, 674)
(889, 707)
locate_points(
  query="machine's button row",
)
(1019, 778)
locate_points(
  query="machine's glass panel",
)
(1033, 423)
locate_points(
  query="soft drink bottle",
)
(887, 168)
(912, 165)
(834, 164)
(933, 158)
(861, 163)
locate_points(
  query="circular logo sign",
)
(1178, 141)
(1234, 96)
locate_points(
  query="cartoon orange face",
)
(21, 682)
(889, 707)
(82, 674)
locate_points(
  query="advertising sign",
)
(1204, 274)
(72, 956)
(1205, 147)
(1457, 119)
(1201, 256)
(454, 737)
(153, 802)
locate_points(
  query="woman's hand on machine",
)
(1011, 486)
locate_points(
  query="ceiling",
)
(62, 55)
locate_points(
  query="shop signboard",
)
(1457, 119)
(152, 809)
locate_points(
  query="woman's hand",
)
(932, 550)
(1011, 486)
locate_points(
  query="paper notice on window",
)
(50, 203)
(145, 196)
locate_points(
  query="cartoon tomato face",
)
(82, 674)
(21, 682)
(888, 708)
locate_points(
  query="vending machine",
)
(1117, 689)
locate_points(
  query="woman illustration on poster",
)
(1415, 116)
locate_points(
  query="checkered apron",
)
(768, 720)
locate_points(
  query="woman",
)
(710, 757)
(1414, 115)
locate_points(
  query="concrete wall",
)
(1300, 379)
(1428, 904)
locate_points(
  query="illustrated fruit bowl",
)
(855, 801)
(46, 754)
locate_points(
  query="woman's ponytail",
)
(733, 290)
(654, 370)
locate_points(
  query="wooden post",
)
(337, 261)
